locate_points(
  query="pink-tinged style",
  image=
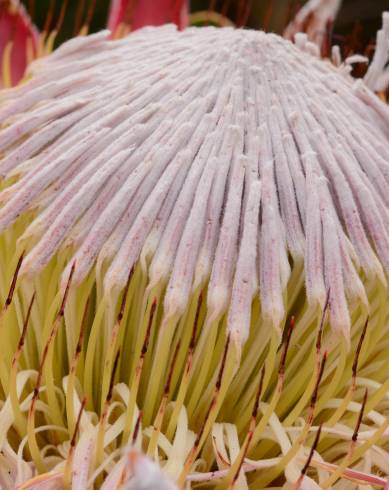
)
(377, 76)
(16, 28)
(140, 13)
(314, 18)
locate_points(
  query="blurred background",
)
(354, 29)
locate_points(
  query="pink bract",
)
(15, 27)
(139, 13)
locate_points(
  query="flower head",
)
(195, 231)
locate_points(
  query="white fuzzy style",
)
(137, 472)
(313, 18)
(377, 76)
(211, 154)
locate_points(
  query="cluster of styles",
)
(193, 278)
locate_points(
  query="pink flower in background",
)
(139, 13)
(18, 37)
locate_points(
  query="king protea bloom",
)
(194, 254)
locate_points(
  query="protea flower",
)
(194, 267)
